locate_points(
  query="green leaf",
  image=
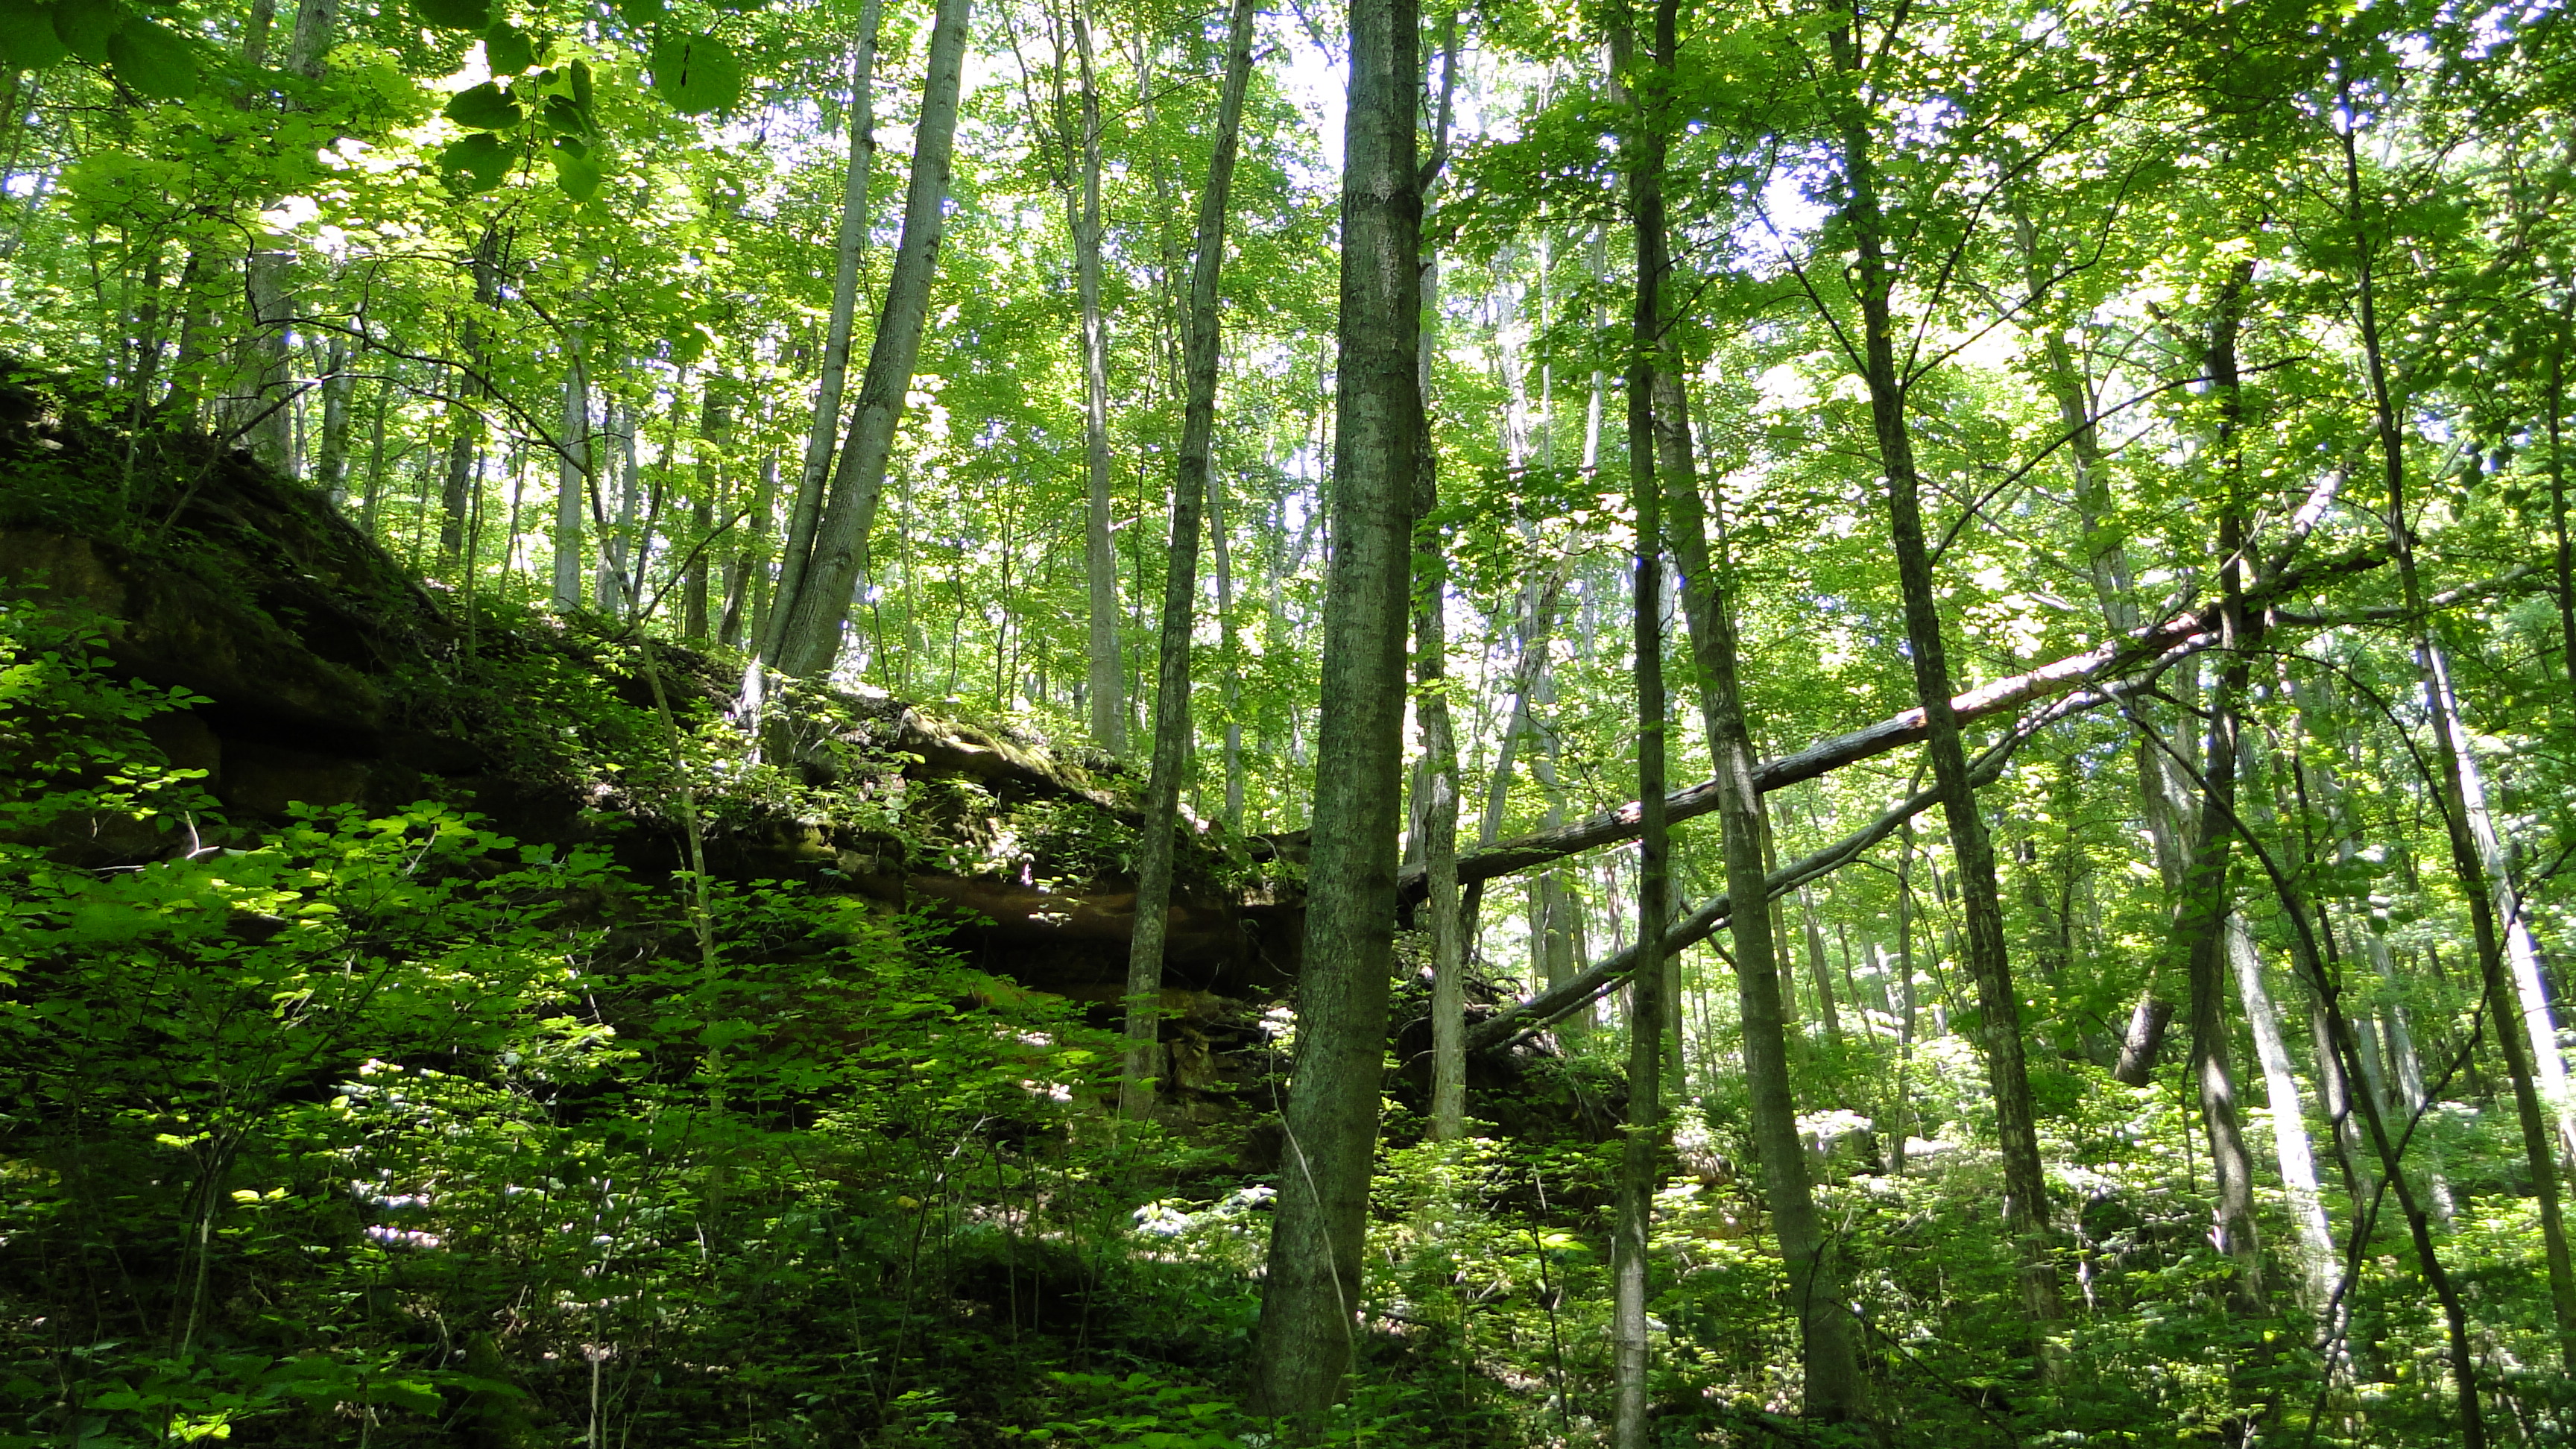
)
(455, 14)
(152, 61)
(577, 172)
(482, 159)
(640, 13)
(85, 26)
(507, 49)
(697, 74)
(412, 1394)
(28, 39)
(564, 117)
(485, 107)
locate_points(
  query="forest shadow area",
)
(429, 1021)
(379, 1069)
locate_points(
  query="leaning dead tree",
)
(2067, 687)
(2144, 650)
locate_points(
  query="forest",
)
(1153, 726)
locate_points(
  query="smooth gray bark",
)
(814, 613)
(1172, 736)
(805, 510)
(1641, 149)
(1311, 1294)
(1440, 782)
(1106, 676)
(257, 412)
(315, 20)
(1988, 958)
(573, 462)
(2522, 949)
(610, 582)
(1221, 559)
(2467, 861)
(2201, 910)
(2292, 1150)
(331, 458)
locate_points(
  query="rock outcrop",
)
(328, 675)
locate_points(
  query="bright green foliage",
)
(369, 1069)
(696, 74)
(841, 1200)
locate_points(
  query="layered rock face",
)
(328, 675)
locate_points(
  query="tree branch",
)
(2141, 649)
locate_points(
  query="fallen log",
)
(2144, 648)
(1603, 976)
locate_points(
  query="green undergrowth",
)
(390, 1128)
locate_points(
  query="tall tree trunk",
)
(810, 638)
(2504, 1002)
(2290, 1145)
(2312, 965)
(1431, 672)
(805, 511)
(1440, 832)
(573, 466)
(375, 465)
(1596, 256)
(616, 484)
(1641, 156)
(1312, 1289)
(455, 494)
(257, 411)
(2522, 950)
(2161, 794)
(472, 385)
(1828, 1013)
(311, 40)
(747, 571)
(1989, 963)
(261, 410)
(331, 459)
(2556, 401)
(1902, 1127)
(1106, 688)
(1172, 742)
(2201, 911)
(1834, 1388)
(715, 429)
(2410, 1095)
(1221, 557)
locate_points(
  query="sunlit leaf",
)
(485, 108)
(481, 158)
(697, 74)
(507, 49)
(152, 61)
(576, 171)
(564, 117)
